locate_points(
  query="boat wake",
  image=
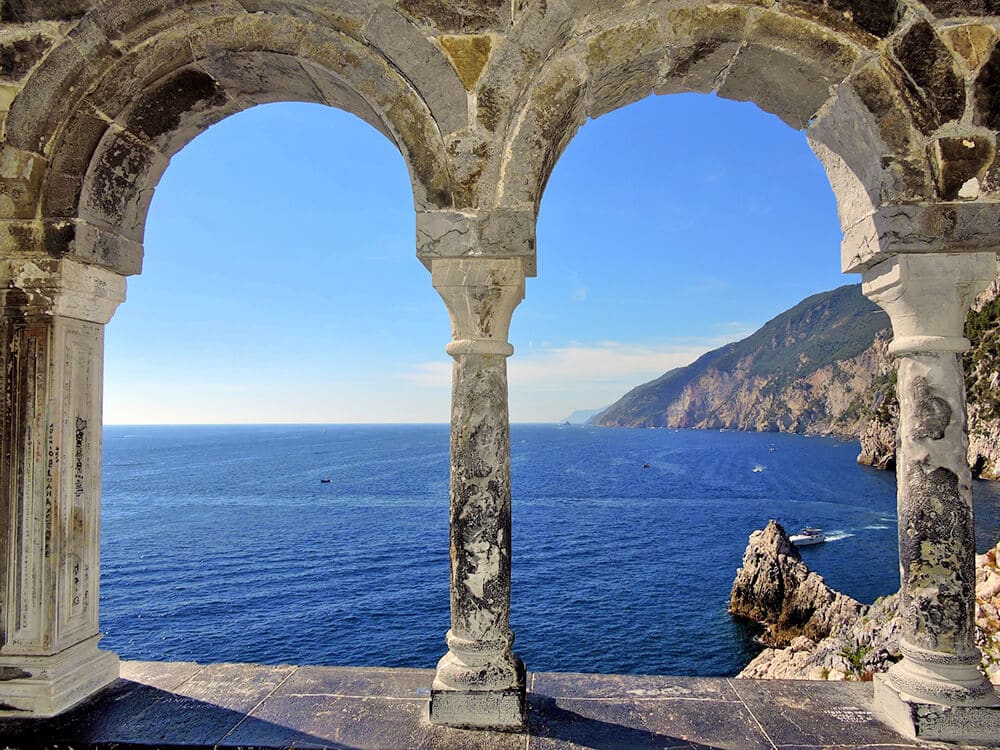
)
(836, 536)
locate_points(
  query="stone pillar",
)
(51, 369)
(479, 682)
(937, 690)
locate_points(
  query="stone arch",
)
(110, 129)
(882, 100)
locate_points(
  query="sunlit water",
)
(223, 543)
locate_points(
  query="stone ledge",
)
(249, 705)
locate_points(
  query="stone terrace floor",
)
(181, 704)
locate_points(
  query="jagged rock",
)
(988, 611)
(868, 641)
(878, 444)
(776, 588)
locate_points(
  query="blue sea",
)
(222, 543)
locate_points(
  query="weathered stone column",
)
(937, 690)
(479, 682)
(51, 369)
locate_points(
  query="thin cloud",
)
(604, 362)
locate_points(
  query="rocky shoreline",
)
(812, 632)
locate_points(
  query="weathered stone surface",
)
(23, 11)
(18, 56)
(774, 587)
(972, 42)
(555, 114)
(33, 118)
(624, 64)
(876, 17)
(52, 332)
(905, 172)
(337, 93)
(21, 175)
(930, 228)
(987, 92)
(137, 71)
(504, 233)
(703, 43)
(78, 141)
(950, 8)
(935, 92)
(463, 16)
(789, 68)
(120, 184)
(927, 298)
(423, 64)
(160, 110)
(468, 54)
(479, 682)
(960, 165)
(94, 244)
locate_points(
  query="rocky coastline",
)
(812, 632)
(821, 368)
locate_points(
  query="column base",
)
(43, 686)
(917, 718)
(501, 710)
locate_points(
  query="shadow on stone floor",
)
(133, 715)
(548, 721)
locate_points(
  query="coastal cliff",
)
(805, 371)
(815, 633)
(821, 368)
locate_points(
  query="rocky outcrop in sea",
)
(815, 633)
(774, 587)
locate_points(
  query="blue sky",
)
(280, 282)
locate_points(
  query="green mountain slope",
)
(800, 372)
(820, 368)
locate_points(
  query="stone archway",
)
(899, 98)
(87, 137)
(897, 104)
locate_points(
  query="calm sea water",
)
(222, 543)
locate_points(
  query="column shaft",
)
(51, 366)
(479, 682)
(937, 690)
(936, 534)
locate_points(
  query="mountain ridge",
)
(820, 368)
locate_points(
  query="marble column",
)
(479, 682)
(51, 365)
(937, 690)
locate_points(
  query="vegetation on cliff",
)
(815, 633)
(822, 367)
(810, 370)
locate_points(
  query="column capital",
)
(484, 233)
(927, 297)
(60, 287)
(481, 294)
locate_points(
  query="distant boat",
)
(808, 536)
(758, 469)
(645, 466)
(325, 481)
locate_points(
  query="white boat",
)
(808, 536)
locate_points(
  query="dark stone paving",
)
(181, 704)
